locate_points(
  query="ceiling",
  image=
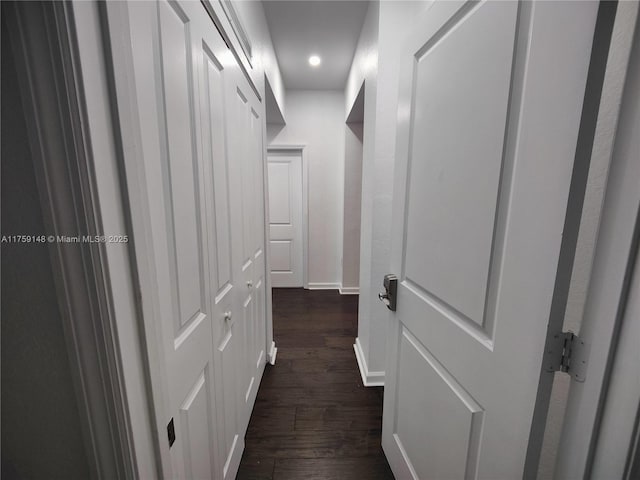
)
(329, 29)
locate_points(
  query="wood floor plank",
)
(276, 419)
(366, 468)
(338, 418)
(313, 418)
(319, 379)
(256, 468)
(315, 444)
(347, 395)
(315, 365)
(344, 341)
(323, 352)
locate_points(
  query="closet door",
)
(217, 74)
(165, 43)
(201, 244)
(197, 145)
(246, 153)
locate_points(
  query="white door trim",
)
(64, 143)
(136, 208)
(616, 246)
(274, 149)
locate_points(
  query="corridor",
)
(313, 418)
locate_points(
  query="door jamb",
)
(616, 247)
(45, 45)
(271, 149)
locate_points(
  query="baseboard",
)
(349, 290)
(324, 286)
(273, 351)
(369, 379)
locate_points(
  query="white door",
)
(285, 218)
(490, 103)
(202, 170)
(246, 149)
(217, 75)
(174, 170)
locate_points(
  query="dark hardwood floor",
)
(313, 418)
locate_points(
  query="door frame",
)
(274, 149)
(91, 281)
(614, 259)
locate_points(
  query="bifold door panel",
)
(201, 136)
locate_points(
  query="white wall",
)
(352, 201)
(364, 69)
(384, 31)
(315, 118)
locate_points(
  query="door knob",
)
(227, 315)
(249, 284)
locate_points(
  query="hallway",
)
(313, 418)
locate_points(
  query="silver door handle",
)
(249, 284)
(227, 315)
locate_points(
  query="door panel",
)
(226, 342)
(175, 184)
(181, 168)
(279, 200)
(197, 435)
(281, 256)
(285, 218)
(247, 170)
(455, 175)
(446, 407)
(485, 151)
(213, 117)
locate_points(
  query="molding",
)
(276, 147)
(119, 59)
(349, 290)
(45, 45)
(220, 19)
(270, 345)
(273, 351)
(323, 286)
(369, 379)
(238, 28)
(616, 244)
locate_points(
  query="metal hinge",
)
(566, 352)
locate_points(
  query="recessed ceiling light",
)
(314, 60)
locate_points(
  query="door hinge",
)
(566, 352)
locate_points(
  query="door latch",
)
(390, 294)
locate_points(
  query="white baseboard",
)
(369, 379)
(273, 351)
(349, 290)
(324, 286)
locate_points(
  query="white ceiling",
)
(300, 28)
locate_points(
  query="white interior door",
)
(285, 218)
(490, 103)
(163, 40)
(246, 148)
